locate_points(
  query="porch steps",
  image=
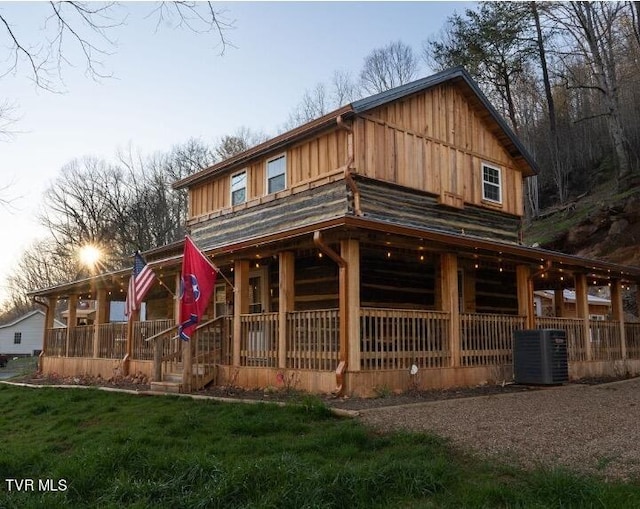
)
(172, 382)
(167, 387)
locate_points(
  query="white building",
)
(24, 335)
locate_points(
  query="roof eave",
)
(272, 145)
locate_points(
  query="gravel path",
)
(594, 429)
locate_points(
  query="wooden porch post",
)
(558, 302)
(132, 319)
(450, 302)
(240, 304)
(72, 318)
(101, 312)
(525, 295)
(48, 320)
(582, 311)
(617, 312)
(286, 302)
(350, 252)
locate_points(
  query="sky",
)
(170, 85)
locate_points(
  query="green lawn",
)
(117, 450)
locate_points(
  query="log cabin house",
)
(381, 236)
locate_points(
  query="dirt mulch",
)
(593, 429)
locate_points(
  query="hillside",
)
(602, 224)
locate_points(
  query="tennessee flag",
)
(198, 280)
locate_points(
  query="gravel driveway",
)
(594, 429)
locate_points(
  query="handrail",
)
(199, 326)
(161, 333)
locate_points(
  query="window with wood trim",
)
(491, 184)
(276, 174)
(239, 188)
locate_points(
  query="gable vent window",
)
(276, 174)
(491, 184)
(239, 188)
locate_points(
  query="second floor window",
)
(276, 174)
(17, 338)
(491, 184)
(239, 188)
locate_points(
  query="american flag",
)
(140, 282)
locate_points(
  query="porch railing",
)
(81, 341)
(56, 342)
(210, 345)
(574, 327)
(487, 339)
(259, 340)
(632, 338)
(605, 340)
(141, 348)
(112, 340)
(313, 339)
(396, 339)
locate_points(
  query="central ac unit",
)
(540, 356)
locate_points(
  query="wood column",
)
(350, 252)
(617, 312)
(286, 299)
(450, 302)
(525, 295)
(101, 315)
(240, 304)
(72, 319)
(176, 298)
(582, 311)
(558, 302)
(49, 318)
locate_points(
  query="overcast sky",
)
(171, 85)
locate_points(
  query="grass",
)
(116, 450)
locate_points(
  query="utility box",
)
(540, 357)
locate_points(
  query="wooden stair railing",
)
(208, 345)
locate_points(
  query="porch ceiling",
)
(552, 264)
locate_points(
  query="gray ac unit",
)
(540, 356)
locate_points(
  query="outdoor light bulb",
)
(89, 255)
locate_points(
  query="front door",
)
(258, 339)
(259, 291)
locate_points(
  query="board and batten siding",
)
(306, 161)
(435, 141)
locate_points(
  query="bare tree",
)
(86, 29)
(594, 29)
(243, 139)
(44, 263)
(344, 89)
(390, 66)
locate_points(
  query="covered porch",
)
(352, 310)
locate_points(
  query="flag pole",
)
(215, 267)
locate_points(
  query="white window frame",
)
(270, 160)
(246, 188)
(493, 184)
(17, 338)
